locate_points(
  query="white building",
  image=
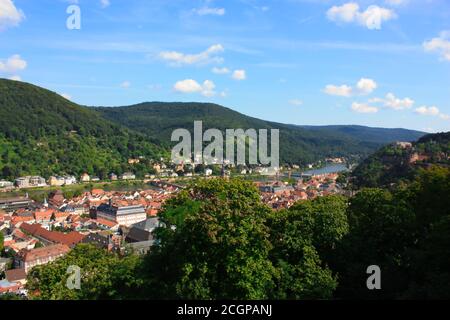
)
(124, 216)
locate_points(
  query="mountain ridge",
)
(43, 133)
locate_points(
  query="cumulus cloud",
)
(10, 16)
(342, 91)
(205, 11)
(391, 101)
(364, 86)
(440, 45)
(191, 86)
(296, 102)
(239, 75)
(12, 64)
(220, 70)
(179, 58)
(432, 111)
(350, 12)
(363, 108)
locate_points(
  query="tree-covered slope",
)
(297, 144)
(396, 162)
(43, 133)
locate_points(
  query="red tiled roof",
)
(105, 222)
(69, 239)
(15, 275)
(44, 252)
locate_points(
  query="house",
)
(27, 259)
(85, 178)
(56, 198)
(6, 184)
(112, 177)
(16, 275)
(4, 262)
(106, 224)
(127, 176)
(44, 215)
(56, 181)
(123, 215)
(52, 237)
(34, 181)
(11, 204)
(98, 240)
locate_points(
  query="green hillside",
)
(300, 145)
(394, 163)
(43, 133)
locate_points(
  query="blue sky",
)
(380, 63)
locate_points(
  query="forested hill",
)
(43, 133)
(401, 162)
(298, 144)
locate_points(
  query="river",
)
(329, 168)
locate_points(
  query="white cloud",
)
(191, 86)
(125, 84)
(105, 3)
(239, 75)
(432, 111)
(296, 102)
(10, 16)
(398, 104)
(366, 86)
(428, 111)
(12, 64)
(363, 108)
(220, 70)
(440, 45)
(210, 11)
(372, 17)
(391, 101)
(178, 58)
(342, 91)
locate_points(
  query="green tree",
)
(104, 275)
(218, 250)
(304, 237)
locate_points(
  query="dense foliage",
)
(42, 133)
(395, 163)
(103, 276)
(218, 241)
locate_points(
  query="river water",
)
(329, 168)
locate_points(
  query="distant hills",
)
(298, 144)
(400, 162)
(43, 133)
